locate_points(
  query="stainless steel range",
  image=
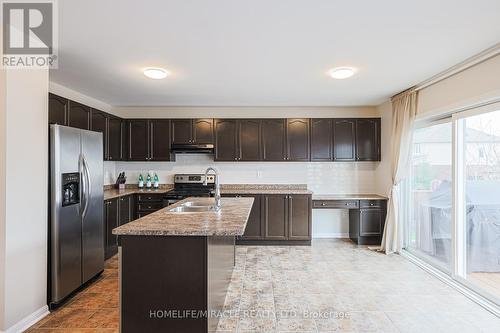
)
(190, 185)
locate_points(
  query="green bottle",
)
(141, 181)
(156, 183)
(148, 181)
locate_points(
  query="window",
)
(480, 214)
(451, 200)
(431, 194)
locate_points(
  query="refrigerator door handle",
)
(88, 186)
(83, 185)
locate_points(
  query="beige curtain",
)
(404, 109)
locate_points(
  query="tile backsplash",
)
(320, 177)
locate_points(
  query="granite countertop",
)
(348, 197)
(114, 193)
(225, 189)
(230, 220)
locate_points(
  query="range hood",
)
(192, 148)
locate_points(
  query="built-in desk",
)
(366, 214)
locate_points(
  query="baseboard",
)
(332, 235)
(471, 294)
(28, 321)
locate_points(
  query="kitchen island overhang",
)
(175, 267)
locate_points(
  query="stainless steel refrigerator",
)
(76, 221)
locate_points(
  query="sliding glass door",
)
(452, 207)
(479, 216)
(429, 228)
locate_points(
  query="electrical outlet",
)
(259, 174)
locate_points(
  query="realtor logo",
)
(28, 34)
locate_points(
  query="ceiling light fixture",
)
(155, 73)
(341, 72)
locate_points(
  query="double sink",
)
(192, 207)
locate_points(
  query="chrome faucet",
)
(218, 203)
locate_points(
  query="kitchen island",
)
(175, 267)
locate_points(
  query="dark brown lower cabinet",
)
(170, 284)
(299, 217)
(255, 226)
(117, 211)
(111, 218)
(275, 217)
(147, 203)
(126, 205)
(278, 218)
(366, 224)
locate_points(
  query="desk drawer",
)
(338, 204)
(372, 203)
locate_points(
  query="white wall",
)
(477, 84)
(383, 172)
(24, 177)
(3, 193)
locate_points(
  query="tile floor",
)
(92, 310)
(332, 286)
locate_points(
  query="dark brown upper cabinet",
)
(368, 139)
(273, 140)
(330, 139)
(99, 123)
(344, 139)
(237, 140)
(138, 138)
(297, 140)
(182, 131)
(160, 140)
(203, 131)
(321, 140)
(249, 140)
(149, 140)
(79, 115)
(116, 130)
(226, 132)
(58, 110)
(186, 131)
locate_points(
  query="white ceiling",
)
(264, 52)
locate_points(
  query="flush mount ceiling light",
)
(155, 73)
(341, 72)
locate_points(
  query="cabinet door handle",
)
(323, 204)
